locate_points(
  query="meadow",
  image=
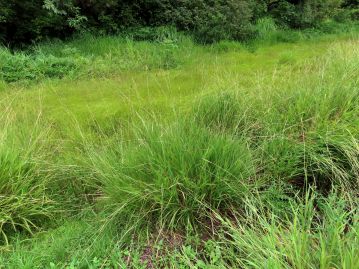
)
(117, 153)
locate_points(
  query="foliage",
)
(214, 20)
(306, 13)
(21, 66)
(209, 21)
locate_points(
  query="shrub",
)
(209, 21)
(304, 14)
(25, 21)
(228, 19)
(284, 13)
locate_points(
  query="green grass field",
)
(123, 154)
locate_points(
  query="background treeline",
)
(207, 20)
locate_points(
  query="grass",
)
(25, 202)
(174, 174)
(170, 154)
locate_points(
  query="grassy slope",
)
(74, 110)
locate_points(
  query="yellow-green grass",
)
(125, 92)
(121, 151)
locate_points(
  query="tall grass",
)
(142, 50)
(93, 56)
(25, 204)
(254, 175)
(173, 174)
(320, 234)
(20, 66)
(303, 134)
(232, 144)
(317, 233)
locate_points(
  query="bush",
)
(223, 20)
(209, 21)
(284, 13)
(25, 21)
(305, 14)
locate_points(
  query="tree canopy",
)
(208, 20)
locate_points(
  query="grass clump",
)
(25, 201)
(24, 204)
(175, 174)
(230, 112)
(320, 233)
(219, 112)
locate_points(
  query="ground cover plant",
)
(123, 152)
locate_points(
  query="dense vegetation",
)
(199, 134)
(128, 154)
(208, 21)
